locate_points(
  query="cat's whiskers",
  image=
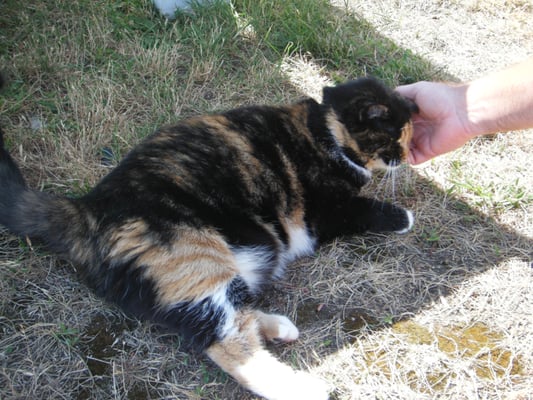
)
(393, 170)
(401, 173)
(381, 186)
(386, 187)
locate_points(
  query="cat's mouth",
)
(381, 164)
(386, 163)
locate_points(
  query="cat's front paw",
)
(390, 218)
(409, 222)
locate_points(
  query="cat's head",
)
(370, 122)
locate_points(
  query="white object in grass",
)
(169, 7)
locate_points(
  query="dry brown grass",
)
(464, 38)
(442, 312)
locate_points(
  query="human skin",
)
(452, 114)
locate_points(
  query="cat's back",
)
(214, 151)
(231, 174)
(211, 169)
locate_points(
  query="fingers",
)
(416, 157)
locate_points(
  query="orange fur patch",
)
(342, 136)
(192, 268)
(405, 138)
(129, 240)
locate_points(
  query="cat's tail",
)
(52, 220)
(241, 354)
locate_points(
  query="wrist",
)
(467, 112)
(477, 110)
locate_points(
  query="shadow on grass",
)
(373, 279)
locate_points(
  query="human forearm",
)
(501, 101)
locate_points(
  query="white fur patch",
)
(273, 380)
(365, 172)
(219, 298)
(411, 221)
(250, 262)
(287, 331)
(300, 243)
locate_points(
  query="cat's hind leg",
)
(241, 354)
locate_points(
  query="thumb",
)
(408, 91)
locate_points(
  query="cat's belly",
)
(258, 265)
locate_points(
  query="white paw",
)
(411, 221)
(287, 331)
(308, 387)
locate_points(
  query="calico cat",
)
(198, 219)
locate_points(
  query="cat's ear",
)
(333, 96)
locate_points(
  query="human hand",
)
(442, 122)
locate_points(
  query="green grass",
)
(345, 44)
(68, 336)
